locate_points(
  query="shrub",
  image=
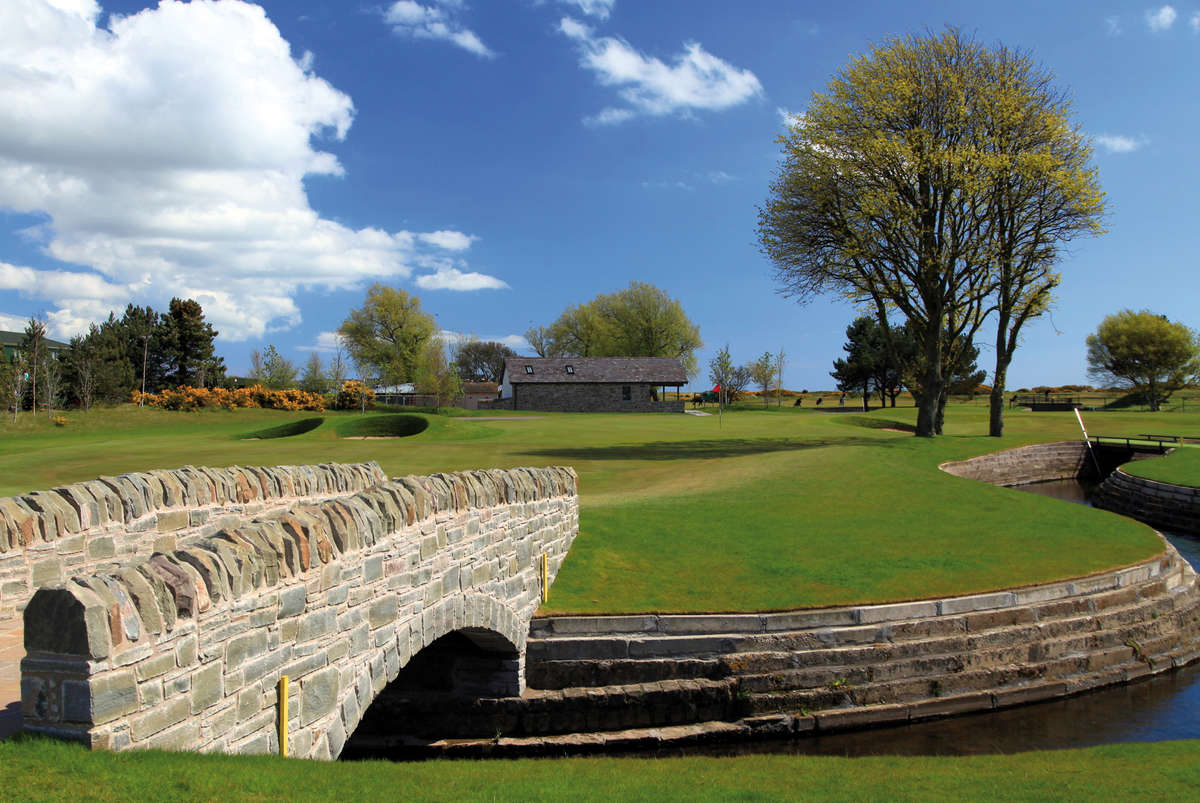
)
(189, 398)
(354, 395)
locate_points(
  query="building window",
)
(626, 393)
(571, 369)
(529, 369)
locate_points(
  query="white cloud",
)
(1119, 143)
(447, 278)
(168, 153)
(600, 9)
(1112, 25)
(437, 21)
(13, 323)
(696, 80)
(1161, 19)
(448, 240)
(326, 342)
(514, 342)
(1194, 21)
(788, 118)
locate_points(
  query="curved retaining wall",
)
(48, 536)
(183, 650)
(642, 681)
(1039, 462)
(1160, 504)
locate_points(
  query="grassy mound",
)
(396, 425)
(287, 430)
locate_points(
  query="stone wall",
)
(591, 397)
(1037, 463)
(1175, 508)
(48, 536)
(184, 650)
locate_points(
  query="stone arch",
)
(485, 621)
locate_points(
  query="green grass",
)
(37, 770)
(754, 510)
(1181, 467)
(396, 425)
(288, 430)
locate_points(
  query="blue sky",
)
(503, 159)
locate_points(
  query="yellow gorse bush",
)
(189, 398)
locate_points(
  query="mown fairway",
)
(1163, 771)
(761, 510)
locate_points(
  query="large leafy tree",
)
(893, 183)
(386, 336)
(480, 360)
(1145, 352)
(638, 321)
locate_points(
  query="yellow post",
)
(545, 578)
(283, 715)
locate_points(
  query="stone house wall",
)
(48, 536)
(591, 397)
(184, 650)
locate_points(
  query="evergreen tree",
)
(187, 346)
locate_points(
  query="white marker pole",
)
(1088, 441)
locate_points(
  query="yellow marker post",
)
(283, 715)
(545, 578)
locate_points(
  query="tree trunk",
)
(933, 385)
(996, 398)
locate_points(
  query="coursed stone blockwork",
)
(1175, 508)
(48, 536)
(183, 650)
(1026, 464)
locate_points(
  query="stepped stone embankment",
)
(1175, 508)
(638, 682)
(183, 649)
(48, 536)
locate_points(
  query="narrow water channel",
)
(1158, 709)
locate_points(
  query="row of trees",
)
(142, 350)
(639, 321)
(934, 181)
(884, 360)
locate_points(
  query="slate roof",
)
(653, 370)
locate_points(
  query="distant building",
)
(11, 341)
(590, 384)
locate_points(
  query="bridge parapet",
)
(48, 536)
(183, 650)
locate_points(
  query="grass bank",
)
(1181, 467)
(52, 771)
(755, 510)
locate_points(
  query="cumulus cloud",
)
(788, 118)
(696, 80)
(514, 342)
(436, 21)
(1119, 143)
(1112, 25)
(1194, 21)
(167, 153)
(448, 278)
(1161, 19)
(326, 342)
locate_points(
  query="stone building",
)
(590, 384)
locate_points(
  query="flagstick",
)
(1095, 462)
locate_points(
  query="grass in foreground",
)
(39, 770)
(755, 510)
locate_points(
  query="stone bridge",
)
(193, 591)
